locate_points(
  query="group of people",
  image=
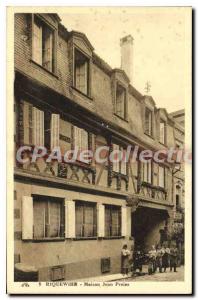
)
(160, 257)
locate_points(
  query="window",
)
(48, 217)
(33, 124)
(80, 139)
(147, 171)
(86, 217)
(112, 221)
(161, 181)
(43, 44)
(148, 122)
(119, 165)
(81, 72)
(162, 132)
(40, 128)
(120, 107)
(177, 202)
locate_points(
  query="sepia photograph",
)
(99, 177)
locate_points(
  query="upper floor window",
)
(147, 171)
(120, 103)
(161, 177)
(48, 217)
(148, 128)
(86, 219)
(43, 44)
(112, 221)
(119, 160)
(162, 132)
(81, 72)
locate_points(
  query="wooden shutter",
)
(84, 139)
(38, 127)
(77, 137)
(101, 220)
(27, 218)
(55, 120)
(69, 219)
(115, 157)
(37, 43)
(162, 132)
(124, 221)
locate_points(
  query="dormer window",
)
(81, 72)
(43, 44)
(120, 103)
(162, 132)
(148, 128)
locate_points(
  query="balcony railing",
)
(150, 191)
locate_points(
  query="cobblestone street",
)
(168, 276)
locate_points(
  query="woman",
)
(125, 260)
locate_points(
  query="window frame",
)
(125, 117)
(83, 204)
(113, 207)
(48, 200)
(77, 49)
(121, 149)
(53, 29)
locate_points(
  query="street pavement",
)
(167, 276)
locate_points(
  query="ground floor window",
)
(86, 219)
(48, 217)
(112, 221)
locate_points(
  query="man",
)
(159, 258)
(173, 258)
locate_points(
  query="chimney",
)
(126, 44)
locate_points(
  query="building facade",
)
(72, 219)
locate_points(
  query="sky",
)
(161, 50)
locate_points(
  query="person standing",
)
(165, 258)
(137, 260)
(152, 260)
(125, 260)
(159, 258)
(173, 258)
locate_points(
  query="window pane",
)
(47, 48)
(162, 132)
(120, 101)
(79, 220)
(115, 217)
(107, 221)
(148, 121)
(39, 209)
(81, 72)
(54, 216)
(88, 221)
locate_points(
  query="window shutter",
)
(69, 219)
(55, 119)
(38, 127)
(124, 221)
(77, 137)
(37, 43)
(27, 218)
(101, 220)
(84, 139)
(115, 157)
